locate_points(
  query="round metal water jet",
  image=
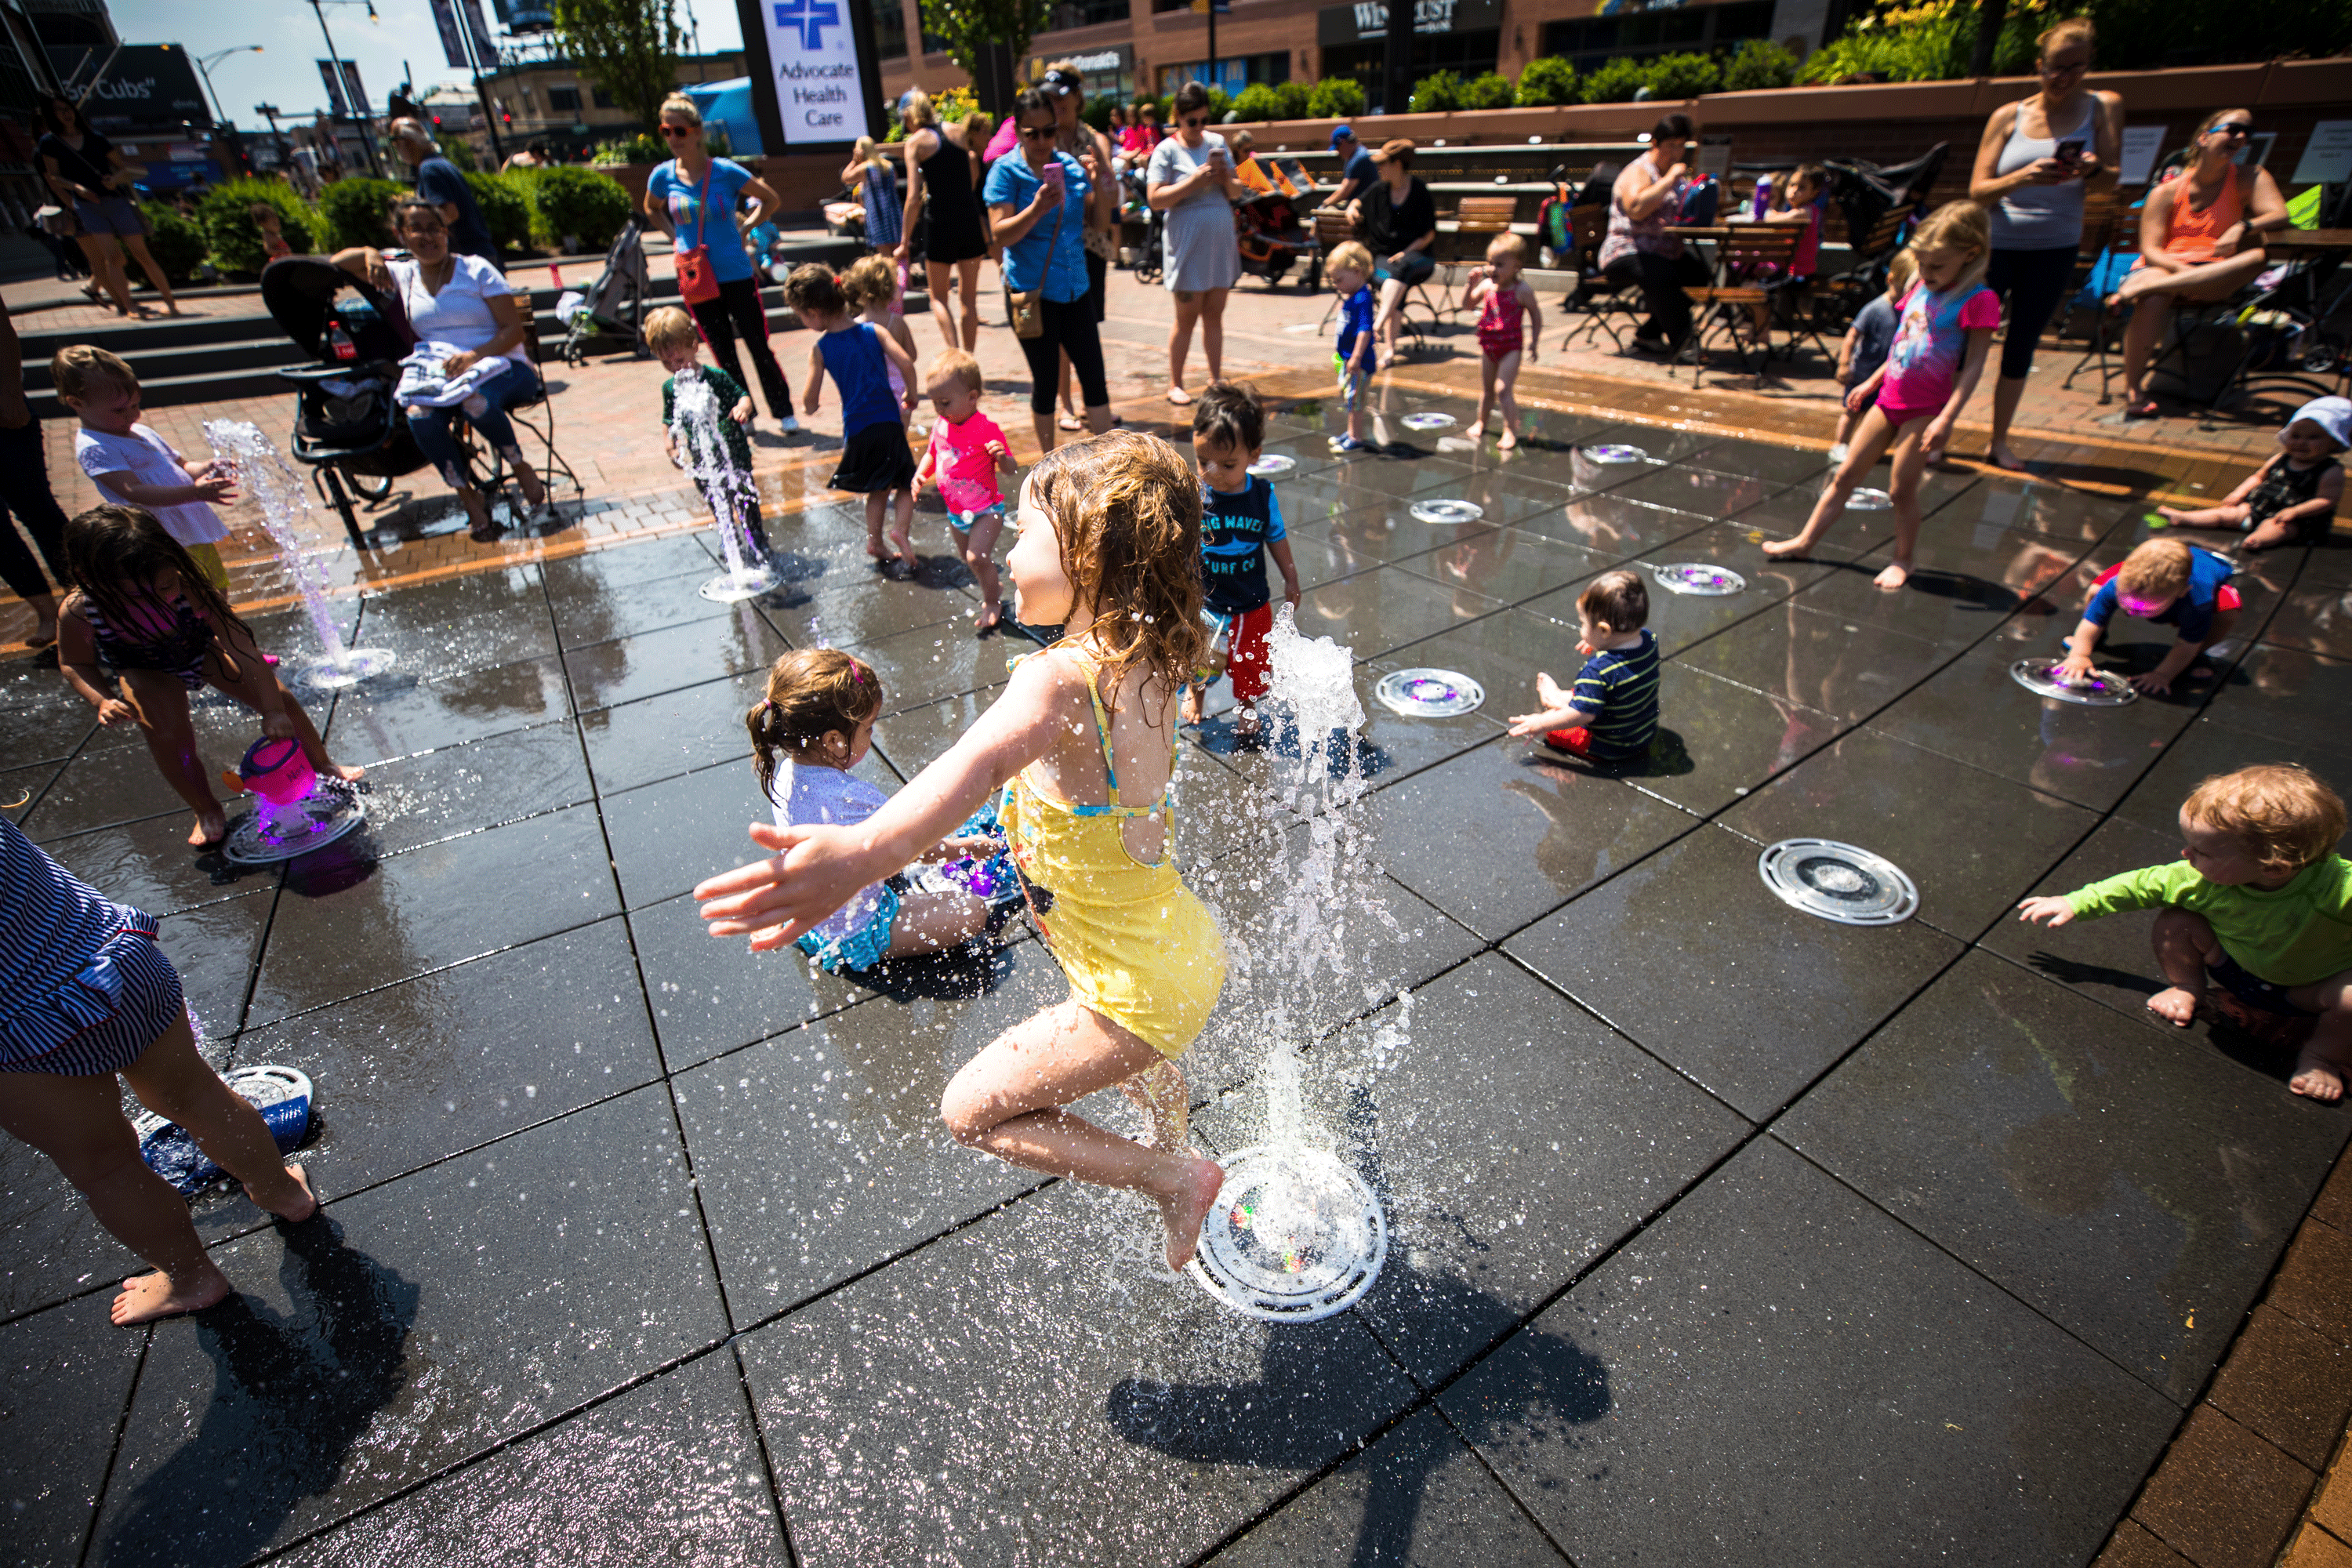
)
(1838, 882)
(1295, 1235)
(1614, 452)
(734, 587)
(1447, 511)
(275, 833)
(1867, 499)
(1429, 693)
(2103, 689)
(1696, 577)
(1273, 463)
(358, 663)
(1429, 421)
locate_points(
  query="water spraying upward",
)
(285, 505)
(731, 491)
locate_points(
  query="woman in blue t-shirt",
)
(683, 197)
(1040, 200)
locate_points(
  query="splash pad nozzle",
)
(298, 810)
(1295, 1235)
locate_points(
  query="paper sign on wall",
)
(2327, 157)
(2141, 144)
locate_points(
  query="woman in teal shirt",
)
(1040, 200)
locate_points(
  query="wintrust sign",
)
(821, 79)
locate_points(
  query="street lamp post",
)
(335, 64)
(269, 111)
(204, 64)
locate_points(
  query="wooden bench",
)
(1749, 249)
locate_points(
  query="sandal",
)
(1070, 422)
(2144, 409)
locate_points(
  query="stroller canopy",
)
(301, 292)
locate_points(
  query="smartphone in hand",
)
(2070, 151)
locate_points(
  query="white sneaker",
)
(1837, 454)
(789, 426)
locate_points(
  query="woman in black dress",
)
(938, 166)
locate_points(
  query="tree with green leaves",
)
(628, 47)
(975, 30)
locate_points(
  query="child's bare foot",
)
(1894, 577)
(295, 1208)
(988, 618)
(2176, 1005)
(902, 542)
(2317, 1078)
(1798, 548)
(1182, 1211)
(1508, 439)
(1246, 727)
(2003, 458)
(147, 1297)
(211, 827)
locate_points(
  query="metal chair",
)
(2111, 232)
(1729, 310)
(1597, 295)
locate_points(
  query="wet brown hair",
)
(2281, 812)
(1127, 509)
(1229, 414)
(1618, 600)
(811, 690)
(113, 552)
(813, 288)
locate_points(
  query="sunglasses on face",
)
(1037, 133)
(1194, 122)
(674, 131)
(2233, 130)
(2072, 69)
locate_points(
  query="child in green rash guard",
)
(2259, 902)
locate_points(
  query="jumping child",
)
(1505, 295)
(875, 461)
(60, 1095)
(967, 452)
(1110, 549)
(1349, 270)
(142, 609)
(1863, 349)
(725, 475)
(1946, 325)
(2168, 583)
(2292, 497)
(1611, 714)
(1241, 525)
(2259, 902)
(133, 466)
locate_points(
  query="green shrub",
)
(1336, 98)
(1258, 102)
(1094, 112)
(1492, 90)
(1682, 75)
(581, 203)
(1218, 103)
(1436, 93)
(1759, 64)
(355, 211)
(504, 210)
(639, 149)
(460, 153)
(177, 245)
(1615, 83)
(226, 220)
(1545, 81)
(1291, 99)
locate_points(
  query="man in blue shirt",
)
(443, 183)
(1357, 174)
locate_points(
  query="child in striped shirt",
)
(1611, 714)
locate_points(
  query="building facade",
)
(547, 100)
(1130, 46)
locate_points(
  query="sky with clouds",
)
(401, 45)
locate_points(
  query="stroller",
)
(1151, 256)
(614, 305)
(347, 429)
(1272, 239)
(1880, 203)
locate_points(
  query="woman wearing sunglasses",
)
(2036, 158)
(693, 198)
(2199, 239)
(1041, 200)
(1191, 178)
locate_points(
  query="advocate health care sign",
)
(823, 83)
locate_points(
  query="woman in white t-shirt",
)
(459, 302)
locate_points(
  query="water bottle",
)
(339, 343)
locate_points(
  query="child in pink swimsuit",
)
(967, 452)
(1944, 328)
(1502, 291)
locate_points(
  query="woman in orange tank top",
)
(2199, 238)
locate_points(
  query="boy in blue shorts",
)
(1611, 714)
(1241, 525)
(2167, 581)
(1351, 272)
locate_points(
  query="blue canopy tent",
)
(728, 104)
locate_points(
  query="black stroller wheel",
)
(370, 486)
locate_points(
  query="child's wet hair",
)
(1958, 225)
(670, 327)
(814, 289)
(870, 280)
(113, 552)
(1351, 254)
(2281, 812)
(811, 691)
(80, 370)
(1126, 511)
(1618, 600)
(2156, 570)
(959, 364)
(1229, 414)
(1510, 244)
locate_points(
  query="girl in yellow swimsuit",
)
(1109, 549)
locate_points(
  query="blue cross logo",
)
(809, 17)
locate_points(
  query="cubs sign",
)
(815, 82)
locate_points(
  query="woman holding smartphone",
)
(1041, 200)
(1191, 178)
(2037, 158)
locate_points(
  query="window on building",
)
(1232, 75)
(1469, 54)
(563, 100)
(602, 98)
(889, 31)
(933, 44)
(1085, 14)
(1590, 41)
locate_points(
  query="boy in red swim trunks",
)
(2170, 584)
(1241, 525)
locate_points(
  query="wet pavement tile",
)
(1950, 609)
(611, 673)
(589, 615)
(1717, 741)
(711, 994)
(819, 1154)
(1833, 666)
(106, 785)
(350, 926)
(668, 836)
(1698, 491)
(1418, 1495)
(444, 642)
(432, 796)
(912, 739)
(1514, 1139)
(1679, 620)
(1690, 954)
(1225, 805)
(842, 613)
(69, 1372)
(2205, 749)
(19, 787)
(1762, 460)
(2318, 618)
(676, 732)
(2327, 564)
(1971, 842)
(932, 662)
(418, 1071)
(402, 712)
(2284, 694)
(1508, 565)
(1378, 612)
(1501, 652)
(669, 1471)
(45, 731)
(53, 1246)
(1390, 746)
(1543, 833)
(1367, 480)
(149, 866)
(378, 1344)
(1614, 529)
(1776, 1372)
(1785, 513)
(214, 948)
(1383, 534)
(2137, 1191)
(1994, 505)
(605, 570)
(939, 1408)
